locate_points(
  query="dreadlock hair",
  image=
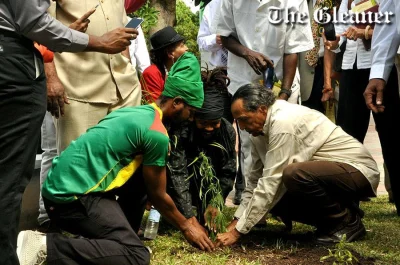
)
(160, 57)
(215, 78)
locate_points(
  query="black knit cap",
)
(165, 37)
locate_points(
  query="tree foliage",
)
(187, 24)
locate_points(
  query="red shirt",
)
(153, 83)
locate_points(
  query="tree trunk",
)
(167, 16)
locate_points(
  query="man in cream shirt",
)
(304, 168)
(94, 83)
(253, 41)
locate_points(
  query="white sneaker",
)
(31, 248)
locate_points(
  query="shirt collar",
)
(267, 123)
(157, 108)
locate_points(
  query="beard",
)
(177, 118)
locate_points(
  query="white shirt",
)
(139, 53)
(247, 20)
(355, 50)
(207, 37)
(385, 42)
(292, 134)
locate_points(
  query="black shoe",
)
(353, 230)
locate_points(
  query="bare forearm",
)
(168, 210)
(234, 46)
(329, 59)
(289, 70)
(50, 71)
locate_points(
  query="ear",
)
(177, 101)
(170, 54)
(263, 109)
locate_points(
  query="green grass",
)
(383, 238)
(381, 243)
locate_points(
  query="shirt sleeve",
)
(298, 35)
(385, 43)
(228, 165)
(35, 23)
(226, 24)
(266, 187)
(141, 52)
(206, 40)
(155, 148)
(153, 82)
(178, 183)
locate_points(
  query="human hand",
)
(228, 238)
(82, 23)
(373, 95)
(328, 95)
(258, 61)
(218, 39)
(331, 45)
(112, 42)
(197, 235)
(354, 33)
(56, 97)
(209, 215)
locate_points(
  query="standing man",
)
(94, 83)
(23, 97)
(305, 169)
(383, 99)
(207, 38)
(253, 41)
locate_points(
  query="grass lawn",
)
(270, 245)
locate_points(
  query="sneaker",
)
(353, 230)
(31, 248)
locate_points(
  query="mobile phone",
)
(269, 74)
(330, 33)
(134, 23)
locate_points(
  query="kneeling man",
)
(305, 169)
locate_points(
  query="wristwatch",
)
(288, 92)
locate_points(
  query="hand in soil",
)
(197, 235)
(228, 238)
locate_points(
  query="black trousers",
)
(22, 108)
(353, 117)
(107, 227)
(106, 237)
(314, 101)
(321, 193)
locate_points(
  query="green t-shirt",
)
(107, 155)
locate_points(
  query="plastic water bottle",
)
(152, 224)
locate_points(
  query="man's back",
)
(109, 153)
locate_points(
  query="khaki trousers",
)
(80, 116)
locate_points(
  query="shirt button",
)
(257, 29)
(108, 18)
